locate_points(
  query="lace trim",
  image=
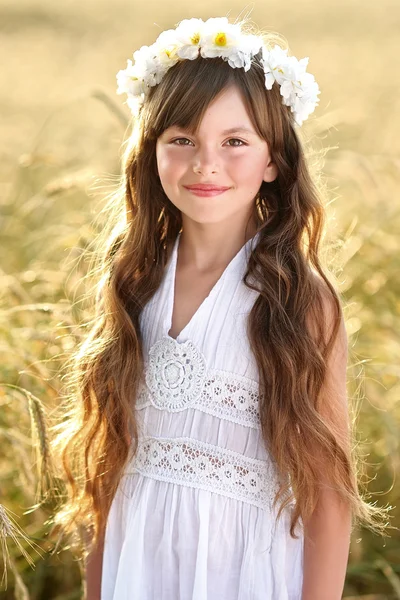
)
(177, 378)
(201, 465)
(175, 373)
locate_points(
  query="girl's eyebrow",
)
(238, 129)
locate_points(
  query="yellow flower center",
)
(170, 51)
(220, 39)
(195, 39)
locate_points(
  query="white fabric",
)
(193, 517)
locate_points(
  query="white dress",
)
(192, 518)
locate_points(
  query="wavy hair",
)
(292, 327)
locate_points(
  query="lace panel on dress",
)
(177, 378)
(197, 464)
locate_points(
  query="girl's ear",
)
(271, 172)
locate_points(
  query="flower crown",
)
(216, 37)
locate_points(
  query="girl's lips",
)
(206, 189)
(206, 186)
(207, 192)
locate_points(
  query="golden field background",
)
(62, 127)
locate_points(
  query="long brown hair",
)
(292, 326)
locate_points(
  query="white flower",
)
(298, 88)
(147, 66)
(188, 34)
(307, 99)
(292, 78)
(216, 37)
(275, 63)
(250, 45)
(145, 60)
(166, 47)
(239, 60)
(130, 80)
(219, 38)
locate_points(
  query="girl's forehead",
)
(225, 113)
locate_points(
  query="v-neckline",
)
(171, 278)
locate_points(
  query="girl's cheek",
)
(244, 158)
(239, 157)
(172, 157)
(168, 161)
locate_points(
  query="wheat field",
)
(62, 127)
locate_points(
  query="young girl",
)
(212, 424)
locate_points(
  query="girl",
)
(212, 424)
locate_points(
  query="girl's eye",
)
(178, 140)
(237, 140)
(230, 140)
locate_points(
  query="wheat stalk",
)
(9, 528)
(38, 423)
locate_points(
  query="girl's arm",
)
(93, 572)
(327, 532)
(326, 550)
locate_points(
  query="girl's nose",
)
(205, 161)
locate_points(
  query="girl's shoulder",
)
(328, 309)
(320, 285)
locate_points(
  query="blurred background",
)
(62, 128)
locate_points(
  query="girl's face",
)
(226, 152)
